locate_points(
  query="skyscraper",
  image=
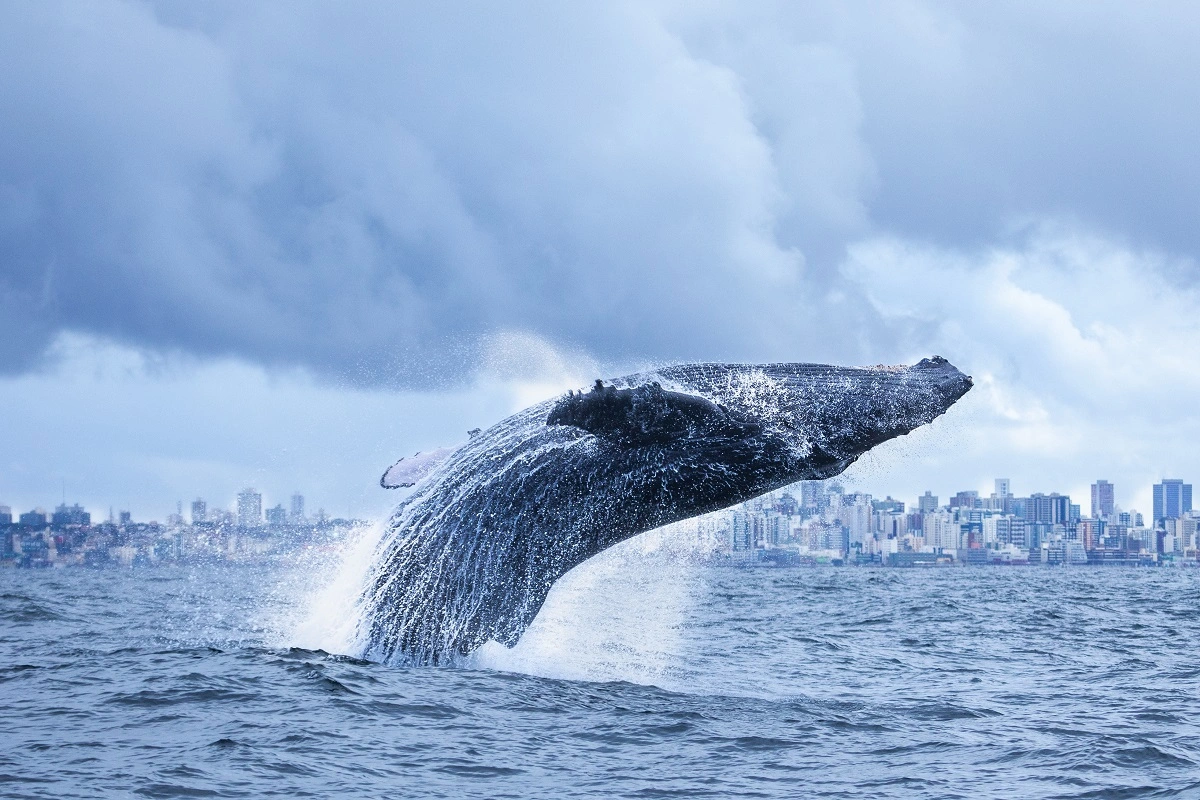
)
(1102, 499)
(966, 499)
(741, 531)
(1172, 499)
(1002, 488)
(810, 494)
(927, 503)
(249, 509)
(199, 511)
(276, 517)
(1010, 530)
(297, 507)
(1052, 509)
(71, 515)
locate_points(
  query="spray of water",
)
(325, 589)
(616, 617)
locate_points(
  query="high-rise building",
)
(199, 511)
(1090, 532)
(776, 529)
(888, 505)
(969, 499)
(34, 519)
(297, 507)
(1052, 509)
(70, 515)
(1102, 500)
(5, 515)
(787, 505)
(277, 517)
(1172, 499)
(810, 494)
(741, 531)
(891, 524)
(855, 513)
(1017, 506)
(1011, 530)
(1002, 488)
(927, 503)
(249, 509)
(941, 530)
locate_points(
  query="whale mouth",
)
(953, 384)
(946, 379)
(953, 388)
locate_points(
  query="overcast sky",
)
(283, 244)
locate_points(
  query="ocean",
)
(648, 674)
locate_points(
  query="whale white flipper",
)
(407, 471)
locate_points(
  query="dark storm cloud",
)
(365, 190)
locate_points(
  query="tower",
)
(249, 509)
(1172, 499)
(1102, 499)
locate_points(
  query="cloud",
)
(116, 427)
(1080, 347)
(371, 191)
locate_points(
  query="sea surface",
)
(647, 675)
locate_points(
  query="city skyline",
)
(250, 504)
(824, 523)
(250, 508)
(805, 523)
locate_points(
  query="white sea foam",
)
(615, 617)
(324, 595)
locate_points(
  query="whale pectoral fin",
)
(407, 471)
(642, 415)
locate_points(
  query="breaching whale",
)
(470, 555)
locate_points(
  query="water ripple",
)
(1021, 683)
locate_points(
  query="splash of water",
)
(327, 588)
(616, 617)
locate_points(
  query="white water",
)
(617, 616)
(322, 597)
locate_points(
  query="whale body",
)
(470, 555)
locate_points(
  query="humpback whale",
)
(470, 555)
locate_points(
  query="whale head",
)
(754, 428)
(829, 416)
